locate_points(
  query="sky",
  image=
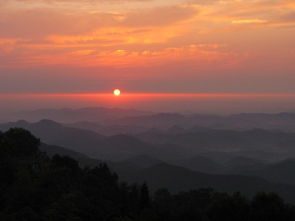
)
(147, 46)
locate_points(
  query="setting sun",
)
(117, 92)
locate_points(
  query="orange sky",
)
(179, 46)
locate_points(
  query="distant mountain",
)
(123, 120)
(244, 165)
(168, 120)
(94, 145)
(223, 157)
(51, 132)
(123, 167)
(247, 121)
(84, 160)
(238, 142)
(163, 145)
(180, 179)
(68, 115)
(108, 130)
(279, 172)
(52, 150)
(143, 161)
(201, 164)
(159, 174)
(174, 123)
(120, 147)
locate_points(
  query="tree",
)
(18, 142)
(144, 197)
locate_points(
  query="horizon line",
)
(146, 94)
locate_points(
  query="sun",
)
(117, 92)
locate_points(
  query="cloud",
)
(288, 17)
(31, 23)
(51, 35)
(201, 55)
(61, 35)
(159, 16)
(80, 1)
(249, 21)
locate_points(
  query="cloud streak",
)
(150, 39)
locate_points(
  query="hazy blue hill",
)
(129, 143)
(168, 152)
(167, 120)
(114, 129)
(175, 129)
(244, 121)
(241, 165)
(143, 161)
(227, 140)
(52, 150)
(40, 188)
(196, 129)
(281, 121)
(162, 120)
(115, 119)
(68, 115)
(51, 132)
(124, 167)
(121, 147)
(108, 130)
(177, 178)
(162, 144)
(220, 157)
(201, 164)
(261, 155)
(84, 160)
(282, 171)
(116, 147)
(94, 145)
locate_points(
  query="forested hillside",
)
(36, 187)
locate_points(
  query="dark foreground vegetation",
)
(34, 187)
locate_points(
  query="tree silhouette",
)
(34, 187)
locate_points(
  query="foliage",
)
(36, 187)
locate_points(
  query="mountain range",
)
(178, 157)
(159, 174)
(271, 145)
(111, 121)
